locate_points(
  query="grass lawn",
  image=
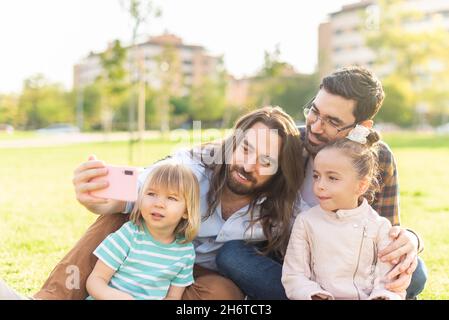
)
(40, 219)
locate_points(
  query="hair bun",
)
(372, 137)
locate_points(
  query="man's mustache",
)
(245, 174)
(318, 137)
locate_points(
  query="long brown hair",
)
(276, 211)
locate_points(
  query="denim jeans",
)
(259, 277)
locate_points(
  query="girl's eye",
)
(333, 178)
(172, 198)
(151, 194)
(315, 176)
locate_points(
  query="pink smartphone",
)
(122, 184)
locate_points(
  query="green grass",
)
(424, 182)
(40, 219)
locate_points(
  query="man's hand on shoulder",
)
(403, 253)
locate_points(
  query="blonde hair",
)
(178, 179)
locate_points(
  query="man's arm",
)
(403, 250)
(386, 201)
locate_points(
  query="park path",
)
(51, 140)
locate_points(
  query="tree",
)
(398, 99)
(207, 98)
(9, 109)
(169, 75)
(92, 106)
(112, 82)
(42, 103)
(267, 82)
(414, 57)
(277, 83)
(140, 12)
(207, 101)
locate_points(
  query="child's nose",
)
(320, 184)
(160, 202)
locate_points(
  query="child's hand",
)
(321, 297)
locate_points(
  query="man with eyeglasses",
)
(348, 97)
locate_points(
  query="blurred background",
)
(130, 81)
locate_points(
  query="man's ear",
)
(367, 123)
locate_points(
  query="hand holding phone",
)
(122, 184)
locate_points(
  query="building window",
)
(338, 31)
(337, 49)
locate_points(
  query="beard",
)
(311, 147)
(239, 188)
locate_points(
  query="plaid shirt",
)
(386, 201)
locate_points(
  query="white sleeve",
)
(382, 268)
(296, 270)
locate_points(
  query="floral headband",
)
(359, 134)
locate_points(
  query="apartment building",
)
(194, 62)
(342, 41)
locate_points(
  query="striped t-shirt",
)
(144, 267)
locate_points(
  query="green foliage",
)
(8, 109)
(91, 106)
(140, 11)
(416, 57)
(273, 66)
(277, 83)
(170, 78)
(112, 83)
(397, 103)
(42, 103)
(207, 100)
(297, 91)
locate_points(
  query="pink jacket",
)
(335, 254)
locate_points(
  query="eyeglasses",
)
(313, 116)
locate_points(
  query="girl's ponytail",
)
(372, 138)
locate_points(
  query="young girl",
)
(332, 252)
(151, 256)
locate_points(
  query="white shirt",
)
(214, 231)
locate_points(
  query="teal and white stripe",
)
(144, 267)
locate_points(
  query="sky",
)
(50, 36)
